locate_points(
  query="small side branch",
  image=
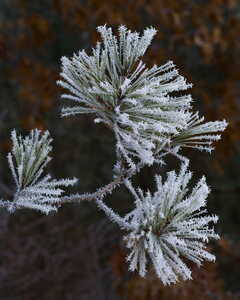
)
(114, 217)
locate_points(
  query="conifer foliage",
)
(168, 225)
(151, 116)
(29, 157)
(135, 101)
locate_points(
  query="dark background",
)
(78, 254)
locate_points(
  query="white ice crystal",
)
(169, 226)
(136, 102)
(27, 161)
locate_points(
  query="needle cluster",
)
(135, 101)
(27, 162)
(170, 225)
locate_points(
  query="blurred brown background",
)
(77, 254)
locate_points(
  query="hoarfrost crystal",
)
(170, 225)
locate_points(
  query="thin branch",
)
(114, 217)
(107, 189)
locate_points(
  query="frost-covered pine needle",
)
(169, 226)
(199, 135)
(27, 161)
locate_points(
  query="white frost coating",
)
(169, 226)
(27, 161)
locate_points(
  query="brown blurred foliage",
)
(207, 282)
(202, 38)
(208, 29)
(42, 258)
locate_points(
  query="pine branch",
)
(137, 104)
